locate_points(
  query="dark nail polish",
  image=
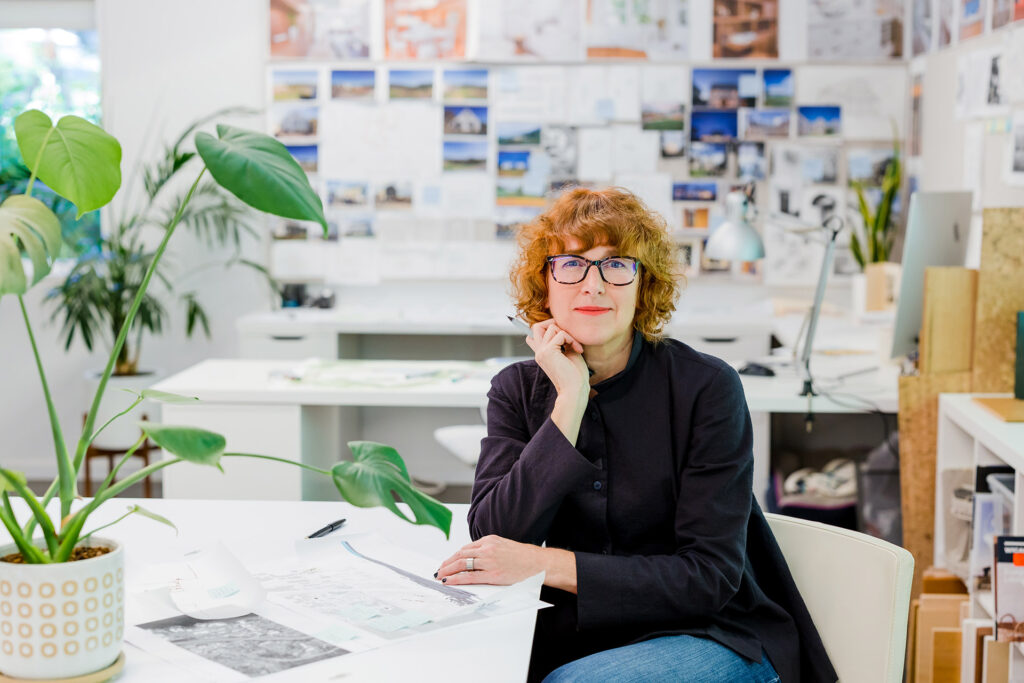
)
(435, 575)
(444, 580)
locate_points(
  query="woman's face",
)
(594, 312)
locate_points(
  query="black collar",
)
(634, 355)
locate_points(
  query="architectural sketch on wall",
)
(946, 9)
(637, 29)
(530, 30)
(869, 110)
(922, 23)
(320, 29)
(746, 29)
(854, 29)
(425, 29)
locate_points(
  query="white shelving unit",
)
(969, 436)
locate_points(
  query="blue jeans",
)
(672, 658)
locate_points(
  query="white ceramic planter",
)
(124, 431)
(61, 620)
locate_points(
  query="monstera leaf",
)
(188, 443)
(258, 169)
(75, 158)
(377, 473)
(26, 226)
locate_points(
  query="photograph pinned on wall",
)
(306, 155)
(393, 196)
(465, 84)
(286, 229)
(295, 121)
(513, 163)
(673, 144)
(746, 30)
(819, 120)
(758, 124)
(515, 133)
(1015, 150)
(785, 198)
(778, 87)
(557, 187)
(708, 159)
(751, 162)
(695, 192)
(711, 265)
(353, 84)
(530, 30)
(663, 116)
(463, 120)
(332, 231)
(508, 220)
(713, 126)
(559, 144)
(320, 29)
(972, 18)
(696, 218)
(465, 155)
(355, 224)
(867, 29)
(945, 10)
(425, 29)
(411, 84)
(637, 29)
(921, 25)
(819, 165)
(1006, 11)
(347, 194)
(294, 85)
(725, 88)
(867, 165)
(688, 252)
(525, 190)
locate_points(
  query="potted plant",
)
(94, 298)
(61, 592)
(872, 244)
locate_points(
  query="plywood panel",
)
(1000, 296)
(918, 423)
(947, 321)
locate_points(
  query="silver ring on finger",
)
(470, 562)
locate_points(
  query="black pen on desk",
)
(333, 526)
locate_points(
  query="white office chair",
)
(857, 589)
(463, 441)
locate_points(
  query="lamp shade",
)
(735, 239)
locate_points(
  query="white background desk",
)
(258, 414)
(499, 646)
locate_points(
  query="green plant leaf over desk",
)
(81, 162)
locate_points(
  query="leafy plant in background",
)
(81, 162)
(878, 224)
(95, 297)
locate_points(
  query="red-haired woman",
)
(629, 457)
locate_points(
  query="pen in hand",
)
(333, 526)
(526, 329)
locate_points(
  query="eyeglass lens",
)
(572, 269)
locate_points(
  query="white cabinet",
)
(969, 437)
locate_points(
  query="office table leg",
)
(762, 425)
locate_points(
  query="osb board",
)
(918, 423)
(947, 323)
(946, 655)
(1000, 296)
(1006, 409)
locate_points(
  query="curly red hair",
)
(612, 217)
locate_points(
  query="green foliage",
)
(876, 242)
(253, 167)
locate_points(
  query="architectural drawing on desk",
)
(867, 29)
(352, 589)
(251, 644)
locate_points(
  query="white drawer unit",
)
(288, 345)
(730, 347)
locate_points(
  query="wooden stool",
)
(110, 454)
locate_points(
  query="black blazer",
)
(655, 500)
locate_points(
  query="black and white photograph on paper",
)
(1015, 151)
(559, 144)
(252, 645)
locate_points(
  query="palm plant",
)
(94, 298)
(79, 161)
(875, 244)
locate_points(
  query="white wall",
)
(164, 64)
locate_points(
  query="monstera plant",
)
(80, 162)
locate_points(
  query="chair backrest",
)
(857, 589)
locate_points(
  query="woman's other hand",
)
(500, 561)
(561, 358)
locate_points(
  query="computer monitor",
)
(937, 227)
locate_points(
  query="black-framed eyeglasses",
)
(569, 269)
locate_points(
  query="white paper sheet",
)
(530, 30)
(1014, 165)
(655, 190)
(634, 150)
(467, 195)
(872, 97)
(535, 93)
(974, 153)
(665, 83)
(595, 154)
(384, 142)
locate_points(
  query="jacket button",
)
(597, 486)
(593, 415)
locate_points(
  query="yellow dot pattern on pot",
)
(61, 619)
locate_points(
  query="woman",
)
(630, 457)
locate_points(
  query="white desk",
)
(499, 646)
(258, 414)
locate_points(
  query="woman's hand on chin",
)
(561, 358)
